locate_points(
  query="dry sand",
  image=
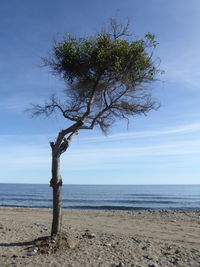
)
(122, 238)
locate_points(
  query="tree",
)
(107, 78)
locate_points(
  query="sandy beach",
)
(121, 238)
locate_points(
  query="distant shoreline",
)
(101, 209)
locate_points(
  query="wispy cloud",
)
(85, 140)
(120, 157)
(184, 68)
(191, 80)
(101, 155)
(179, 129)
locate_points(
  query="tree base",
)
(50, 245)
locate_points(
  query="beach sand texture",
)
(122, 238)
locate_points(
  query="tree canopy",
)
(107, 77)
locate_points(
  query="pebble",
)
(148, 257)
(173, 260)
(144, 248)
(32, 252)
(39, 225)
(195, 250)
(176, 251)
(108, 244)
(88, 234)
(152, 265)
(136, 240)
(163, 211)
(120, 265)
(14, 256)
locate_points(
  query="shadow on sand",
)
(17, 244)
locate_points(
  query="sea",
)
(103, 197)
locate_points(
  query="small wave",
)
(105, 208)
(26, 206)
(25, 199)
(120, 201)
(149, 201)
(158, 196)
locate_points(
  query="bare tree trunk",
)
(59, 147)
(56, 184)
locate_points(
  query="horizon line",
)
(95, 184)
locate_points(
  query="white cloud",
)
(24, 157)
(192, 80)
(119, 157)
(180, 129)
(95, 153)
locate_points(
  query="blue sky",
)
(162, 148)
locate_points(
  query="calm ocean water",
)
(121, 197)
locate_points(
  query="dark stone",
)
(177, 251)
(136, 240)
(120, 265)
(148, 257)
(152, 265)
(174, 261)
(144, 248)
(88, 234)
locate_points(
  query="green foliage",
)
(79, 58)
(106, 76)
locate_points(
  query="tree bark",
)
(56, 184)
(59, 147)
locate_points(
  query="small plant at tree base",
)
(107, 78)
